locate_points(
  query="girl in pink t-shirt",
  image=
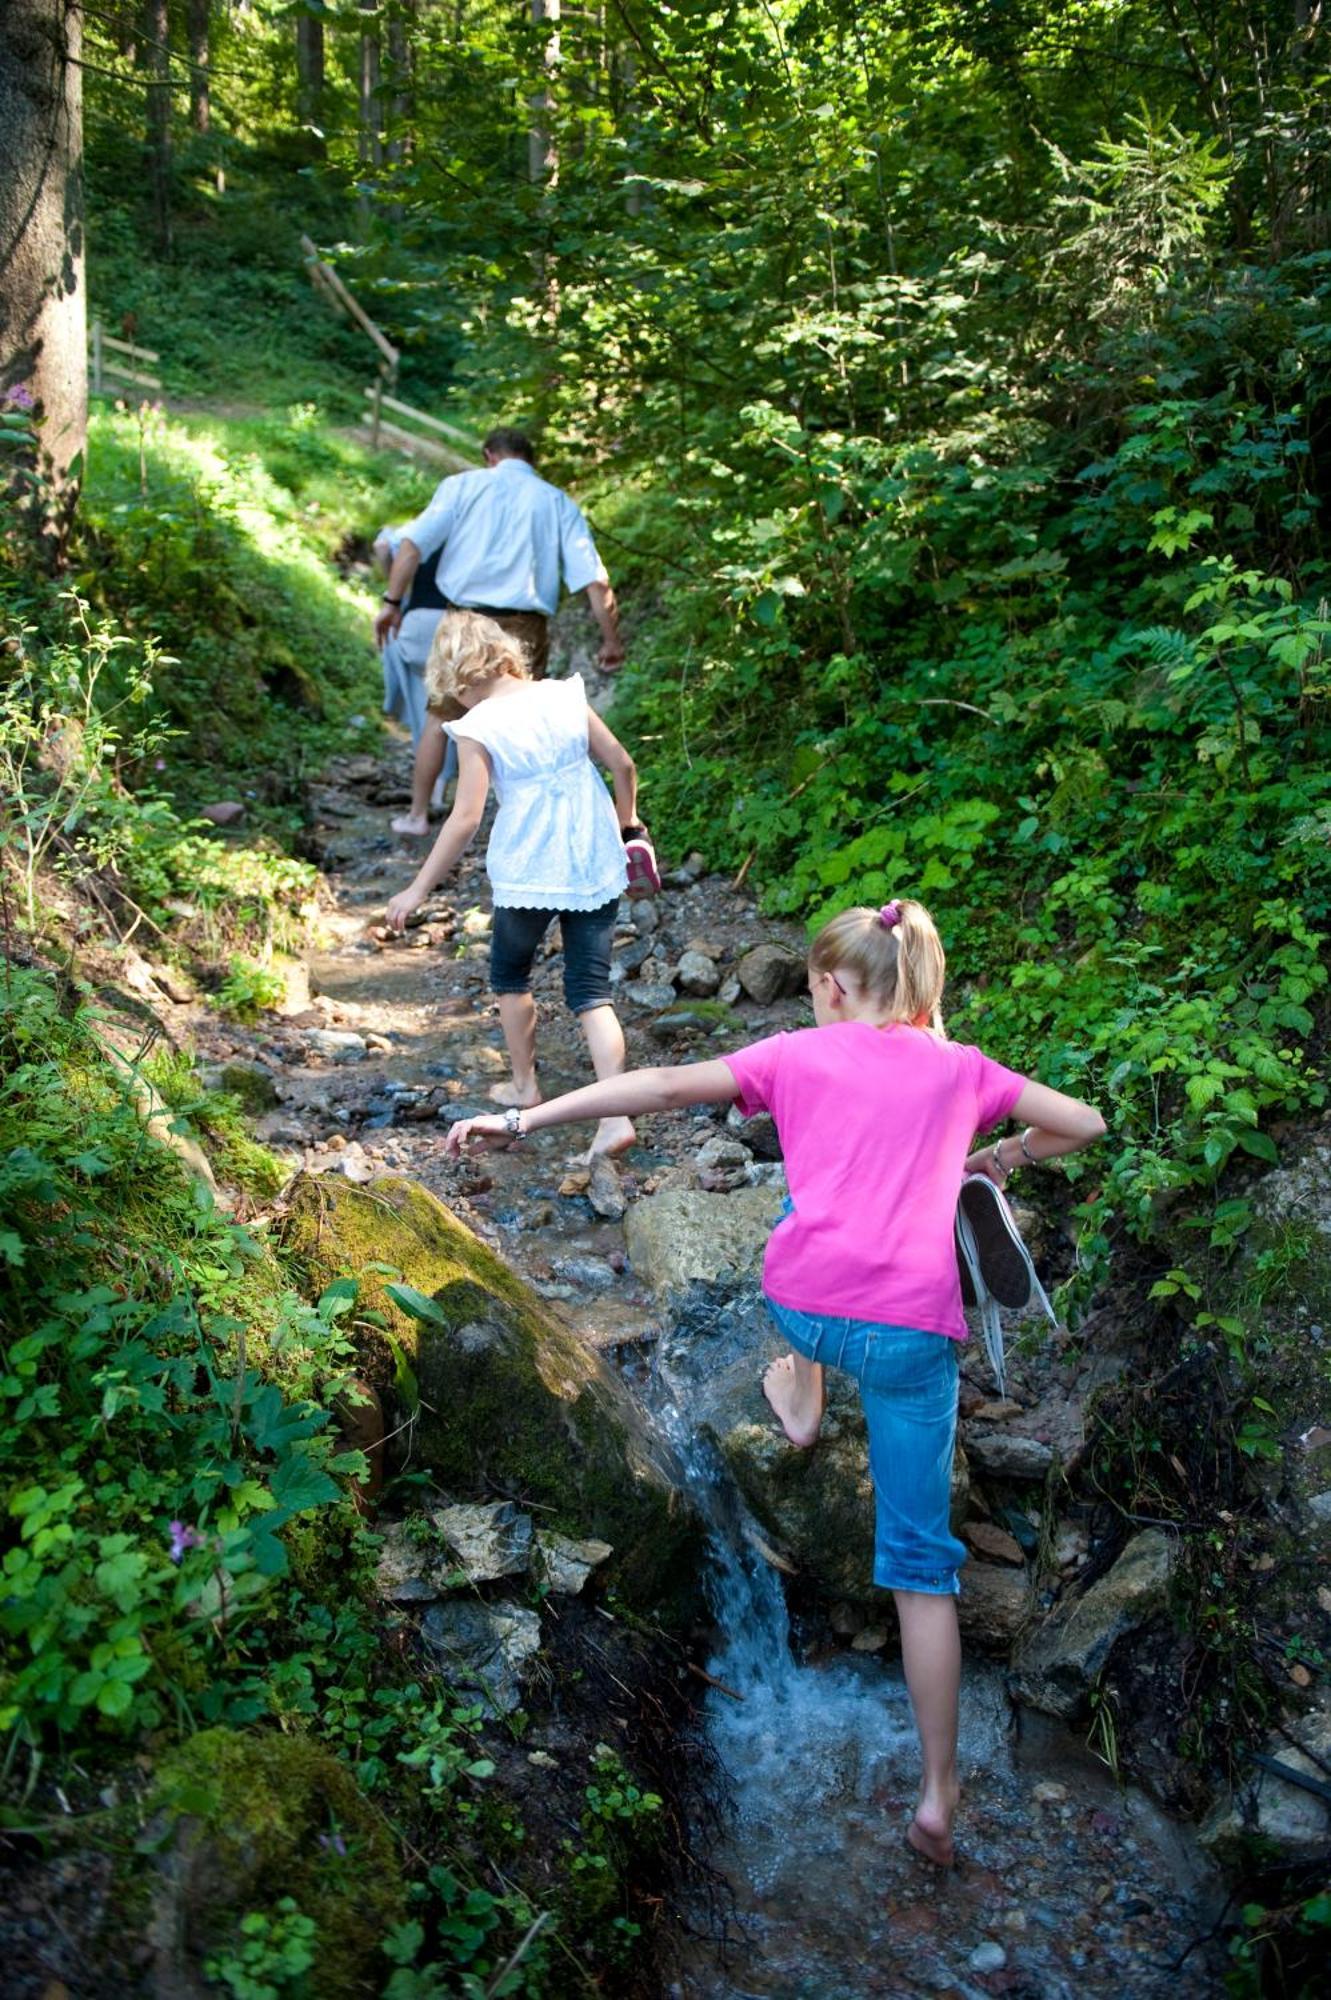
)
(876, 1111)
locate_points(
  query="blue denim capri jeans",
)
(908, 1386)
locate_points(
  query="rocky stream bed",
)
(1071, 1883)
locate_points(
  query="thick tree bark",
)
(197, 25)
(43, 331)
(157, 28)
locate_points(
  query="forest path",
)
(1069, 1887)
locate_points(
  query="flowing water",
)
(1067, 1886)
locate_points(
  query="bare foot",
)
(798, 1404)
(930, 1833)
(410, 823)
(613, 1135)
(523, 1096)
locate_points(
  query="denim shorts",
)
(908, 1385)
(515, 937)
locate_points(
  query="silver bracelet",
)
(997, 1158)
(1026, 1152)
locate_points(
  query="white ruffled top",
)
(555, 844)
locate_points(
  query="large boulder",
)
(1057, 1670)
(511, 1401)
(814, 1509)
(770, 972)
(245, 1822)
(680, 1235)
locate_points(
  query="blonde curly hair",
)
(467, 650)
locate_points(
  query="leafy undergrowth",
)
(187, 1625)
(216, 539)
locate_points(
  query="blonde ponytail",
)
(894, 955)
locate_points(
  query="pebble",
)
(1049, 1793)
(987, 1957)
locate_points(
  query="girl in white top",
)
(556, 848)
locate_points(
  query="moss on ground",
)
(512, 1401)
(251, 1819)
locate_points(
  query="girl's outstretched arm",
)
(1055, 1125)
(627, 1096)
(455, 835)
(607, 749)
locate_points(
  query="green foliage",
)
(248, 989)
(274, 1954)
(154, 1469)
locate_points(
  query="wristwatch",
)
(513, 1122)
(396, 602)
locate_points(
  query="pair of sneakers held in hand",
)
(995, 1265)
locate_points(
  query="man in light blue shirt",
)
(505, 539)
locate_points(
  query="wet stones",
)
(1007, 1454)
(488, 1541)
(1276, 1808)
(995, 1603)
(604, 1191)
(485, 1646)
(1069, 1652)
(680, 1235)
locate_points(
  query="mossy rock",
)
(249, 1820)
(512, 1402)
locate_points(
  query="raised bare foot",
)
(414, 824)
(930, 1833)
(613, 1135)
(798, 1403)
(523, 1096)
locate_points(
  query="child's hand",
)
(981, 1161)
(483, 1131)
(402, 906)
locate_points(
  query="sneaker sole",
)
(1004, 1261)
(644, 877)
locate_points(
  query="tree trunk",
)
(197, 24)
(157, 27)
(43, 332)
(310, 75)
(369, 144)
(399, 77)
(542, 147)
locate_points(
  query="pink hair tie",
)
(890, 915)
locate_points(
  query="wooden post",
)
(375, 410)
(97, 357)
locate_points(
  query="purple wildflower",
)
(183, 1538)
(333, 1843)
(20, 397)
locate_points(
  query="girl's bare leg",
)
(794, 1388)
(517, 1018)
(931, 1654)
(605, 1045)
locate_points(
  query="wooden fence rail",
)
(326, 281)
(105, 365)
(458, 448)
